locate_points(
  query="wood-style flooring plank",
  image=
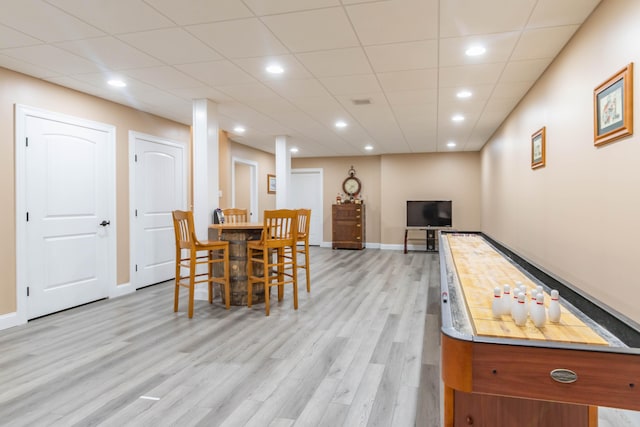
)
(356, 352)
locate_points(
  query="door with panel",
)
(68, 226)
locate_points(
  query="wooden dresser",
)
(348, 226)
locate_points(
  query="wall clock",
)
(352, 185)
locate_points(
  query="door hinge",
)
(27, 291)
(27, 216)
(26, 140)
(136, 267)
(135, 157)
(136, 213)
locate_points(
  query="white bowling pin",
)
(496, 305)
(514, 300)
(506, 300)
(520, 312)
(554, 307)
(538, 313)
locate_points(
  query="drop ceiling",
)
(390, 69)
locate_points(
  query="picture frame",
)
(271, 184)
(613, 107)
(539, 148)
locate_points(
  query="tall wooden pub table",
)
(496, 373)
(238, 234)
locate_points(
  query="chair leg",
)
(210, 272)
(266, 280)
(280, 258)
(192, 285)
(176, 294)
(227, 291)
(295, 280)
(306, 264)
(249, 275)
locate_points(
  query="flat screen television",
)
(429, 213)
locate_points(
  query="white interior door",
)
(306, 192)
(67, 198)
(159, 181)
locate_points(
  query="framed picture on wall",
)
(538, 148)
(613, 107)
(271, 184)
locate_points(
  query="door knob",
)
(104, 223)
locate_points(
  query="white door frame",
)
(133, 136)
(253, 166)
(22, 111)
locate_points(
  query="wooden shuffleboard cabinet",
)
(348, 226)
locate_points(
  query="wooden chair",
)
(280, 233)
(217, 252)
(304, 218)
(234, 215)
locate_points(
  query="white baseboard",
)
(121, 290)
(10, 320)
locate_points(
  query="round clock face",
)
(351, 186)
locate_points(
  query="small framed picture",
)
(271, 184)
(538, 148)
(613, 107)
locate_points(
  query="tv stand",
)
(431, 238)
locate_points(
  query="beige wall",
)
(16, 88)
(579, 216)
(388, 181)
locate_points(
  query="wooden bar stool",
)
(216, 252)
(304, 218)
(279, 234)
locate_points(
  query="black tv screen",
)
(429, 213)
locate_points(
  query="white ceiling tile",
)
(510, 90)
(293, 70)
(550, 13)
(310, 30)
(109, 52)
(36, 17)
(26, 67)
(395, 21)
(524, 71)
(243, 38)
(543, 42)
(199, 11)
(216, 73)
(479, 93)
(403, 56)
(248, 91)
(115, 16)
(413, 97)
(201, 92)
(349, 85)
(171, 45)
(55, 59)
(297, 88)
(336, 62)
(12, 38)
(163, 77)
(311, 104)
(471, 74)
(466, 17)
(272, 7)
(398, 81)
(499, 48)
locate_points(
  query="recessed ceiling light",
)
(116, 83)
(275, 69)
(451, 144)
(475, 50)
(368, 147)
(458, 118)
(294, 149)
(239, 129)
(341, 124)
(464, 94)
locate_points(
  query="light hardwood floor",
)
(362, 350)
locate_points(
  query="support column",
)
(206, 180)
(283, 172)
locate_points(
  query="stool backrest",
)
(234, 215)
